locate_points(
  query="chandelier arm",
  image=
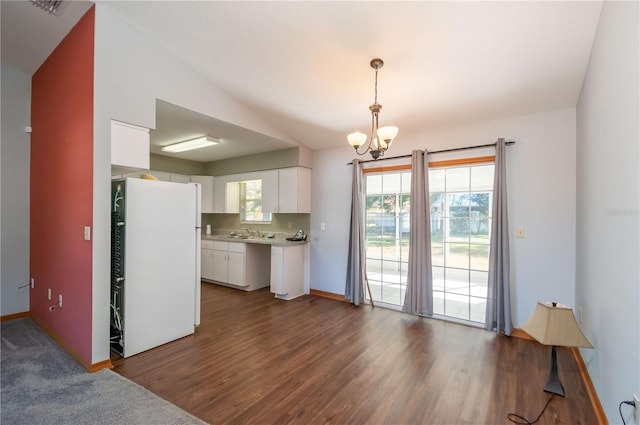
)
(368, 145)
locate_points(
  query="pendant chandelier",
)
(382, 137)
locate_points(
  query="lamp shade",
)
(388, 133)
(555, 325)
(357, 139)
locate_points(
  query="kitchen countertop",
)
(253, 239)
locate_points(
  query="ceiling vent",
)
(50, 6)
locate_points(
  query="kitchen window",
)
(250, 192)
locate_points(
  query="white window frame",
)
(244, 204)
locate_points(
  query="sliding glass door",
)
(387, 233)
(460, 202)
(460, 199)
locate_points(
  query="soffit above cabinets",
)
(175, 124)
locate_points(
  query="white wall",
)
(541, 185)
(608, 139)
(15, 151)
(131, 72)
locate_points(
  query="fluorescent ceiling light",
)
(187, 145)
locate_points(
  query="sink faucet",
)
(247, 230)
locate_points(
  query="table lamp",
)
(554, 324)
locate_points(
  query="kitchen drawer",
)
(237, 247)
(206, 244)
(220, 246)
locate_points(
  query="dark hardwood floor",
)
(258, 360)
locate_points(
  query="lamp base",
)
(554, 387)
(553, 384)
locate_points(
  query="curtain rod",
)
(508, 143)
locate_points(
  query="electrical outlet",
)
(636, 409)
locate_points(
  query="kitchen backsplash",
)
(283, 223)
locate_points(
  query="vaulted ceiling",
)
(305, 65)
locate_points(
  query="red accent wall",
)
(62, 187)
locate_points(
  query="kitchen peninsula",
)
(249, 263)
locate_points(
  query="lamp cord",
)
(630, 403)
(521, 420)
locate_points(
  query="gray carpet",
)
(42, 384)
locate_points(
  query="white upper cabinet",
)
(225, 195)
(232, 198)
(219, 194)
(294, 190)
(163, 176)
(269, 191)
(286, 190)
(207, 183)
(182, 178)
(129, 145)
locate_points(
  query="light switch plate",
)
(87, 233)
(520, 232)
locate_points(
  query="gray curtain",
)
(498, 313)
(354, 288)
(419, 296)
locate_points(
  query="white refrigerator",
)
(156, 292)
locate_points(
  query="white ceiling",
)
(305, 65)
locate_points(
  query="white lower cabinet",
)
(288, 271)
(206, 260)
(207, 264)
(228, 262)
(250, 266)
